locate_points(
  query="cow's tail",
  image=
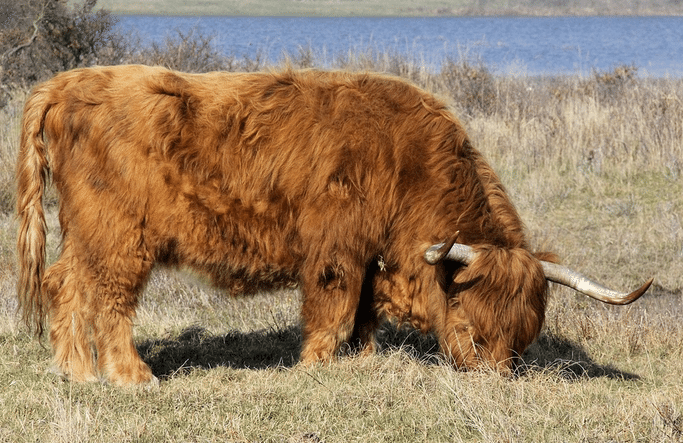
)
(32, 172)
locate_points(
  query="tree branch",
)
(13, 51)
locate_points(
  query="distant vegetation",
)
(356, 8)
(41, 37)
(595, 167)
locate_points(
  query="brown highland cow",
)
(340, 183)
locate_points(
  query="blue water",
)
(508, 45)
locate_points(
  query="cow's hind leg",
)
(91, 306)
(117, 284)
(117, 358)
(331, 296)
(71, 318)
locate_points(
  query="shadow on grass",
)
(568, 359)
(194, 347)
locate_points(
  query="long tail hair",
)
(32, 172)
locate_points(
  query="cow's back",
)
(237, 172)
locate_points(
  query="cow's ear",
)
(453, 300)
(446, 272)
(547, 256)
(458, 286)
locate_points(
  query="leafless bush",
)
(610, 86)
(185, 51)
(41, 37)
(471, 86)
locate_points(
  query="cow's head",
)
(496, 300)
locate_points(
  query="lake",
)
(507, 45)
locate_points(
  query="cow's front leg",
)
(331, 294)
(367, 318)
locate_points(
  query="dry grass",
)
(593, 164)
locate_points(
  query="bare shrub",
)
(41, 37)
(471, 86)
(304, 59)
(185, 51)
(610, 86)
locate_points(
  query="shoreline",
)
(375, 9)
(127, 13)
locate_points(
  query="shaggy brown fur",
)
(264, 180)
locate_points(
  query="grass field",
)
(594, 166)
(360, 8)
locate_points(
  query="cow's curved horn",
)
(556, 273)
(568, 277)
(438, 252)
(457, 252)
